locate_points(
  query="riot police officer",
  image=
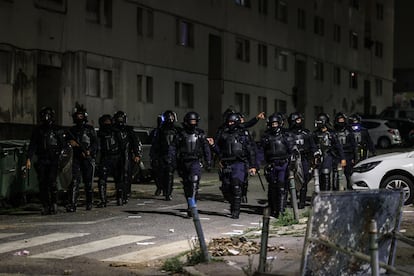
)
(131, 153)
(110, 156)
(82, 137)
(330, 150)
(155, 170)
(365, 146)
(190, 149)
(277, 152)
(302, 138)
(347, 140)
(236, 154)
(160, 151)
(46, 143)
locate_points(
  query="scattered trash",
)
(282, 247)
(403, 230)
(67, 272)
(171, 230)
(271, 258)
(234, 252)
(22, 253)
(237, 225)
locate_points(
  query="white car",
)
(383, 133)
(388, 171)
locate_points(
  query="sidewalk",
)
(285, 260)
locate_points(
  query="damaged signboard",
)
(338, 232)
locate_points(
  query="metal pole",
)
(292, 187)
(264, 239)
(316, 180)
(373, 248)
(199, 230)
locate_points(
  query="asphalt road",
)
(147, 228)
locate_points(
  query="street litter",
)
(234, 246)
(171, 230)
(22, 253)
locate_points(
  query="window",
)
(52, 5)
(262, 54)
(337, 75)
(149, 22)
(380, 11)
(354, 4)
(319, 25)
(99, 11)
(107, 87)
(243, 3)
(353, 40)
(301, 19)
(337, 33)
(378, 49)
(378, 87)
(243, 49)
(92, 82)
(280, 106)
(280, 60)
(242, 103)
(318, 70)
(184, 95)
(353, 80)
(262, 104)
(185, 33)
(99, 83)
(5, 63)
(139, 89)
(150, 90)
(263, 6)
(281, 11)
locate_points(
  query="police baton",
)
(260, 179)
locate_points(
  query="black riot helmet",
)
(341, 120)
(233, 121)
(169, 117)
(47, 115)
(105, 120)
(79, 114)
(295, 120)
(354, 118)
(191, 120)
(322, 121)
(275, 118)
(226, 113)
(120, 118)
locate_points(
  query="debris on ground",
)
(233, 246)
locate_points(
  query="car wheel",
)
(384, 143)
(395, 182)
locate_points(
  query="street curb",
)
(190, 270)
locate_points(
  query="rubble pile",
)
(232, 246)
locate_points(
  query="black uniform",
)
(131, 148)
(302, 139)
(190, 149)
(346, 137)
(111, 153)
(277, 152)
(85, 146)
(46, 143)
(162, 155)
(236, 152)
(365, 146)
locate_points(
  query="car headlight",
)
(366, 167)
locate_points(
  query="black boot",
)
(89, 200)
(119, 197)
(302, 198)
(73, 199)
(102, 195)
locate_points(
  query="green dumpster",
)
(7, 170)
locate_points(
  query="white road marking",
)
(6, 235)
(90, 247)
(39, 240)
(171, 207)
(152, 253)
(68, 222)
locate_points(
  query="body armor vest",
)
(233, 145)
(50, 141)
(324, 140)
(109, 143)
(343, 140)
(358, 137)
(189, 145)
(274, 148)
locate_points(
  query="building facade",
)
(147, 56)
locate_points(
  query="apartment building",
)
(147, 56)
